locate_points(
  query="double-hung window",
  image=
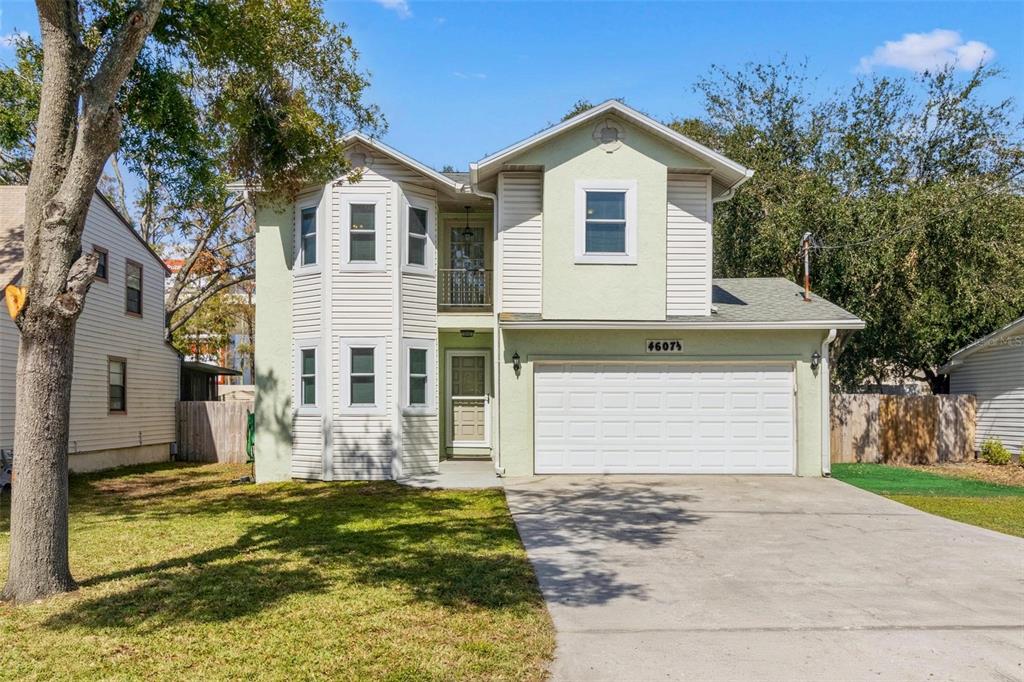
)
(363, 375)
(117, 395)
(133, 288)
(362, 236)
(606, 222)
(419, 369)
(418, 236)
(307, 377)
(364, 227)
(307, 236)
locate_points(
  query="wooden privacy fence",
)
(212, 431)
(905, 429)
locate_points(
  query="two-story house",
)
(553, 310)
(125, 380)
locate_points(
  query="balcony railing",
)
(464, 288)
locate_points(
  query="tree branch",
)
(173, 326)
(214, 281)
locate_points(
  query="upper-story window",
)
(133, 288)
(362, 236)
(101, 263)
(307, 236)
(362, 239)
(606, 221)
(417, 254)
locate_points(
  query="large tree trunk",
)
(79, 127)
(39, 524)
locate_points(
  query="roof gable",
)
(441, 179)
(1014, 328)
(727, 174)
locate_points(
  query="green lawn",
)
(989, 505)
(185, 576)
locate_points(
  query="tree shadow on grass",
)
(454, 550)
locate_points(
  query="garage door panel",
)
(665, 418)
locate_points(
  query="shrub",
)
(994, 452)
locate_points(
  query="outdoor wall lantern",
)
(815, 361)
(517, 363)
(467, 333)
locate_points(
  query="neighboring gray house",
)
(992, 368)
(126, 376)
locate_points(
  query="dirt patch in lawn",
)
(1009, 474)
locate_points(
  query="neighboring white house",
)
(126, 376)
(992, 368)
(552, 310)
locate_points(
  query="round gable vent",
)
(609, 135)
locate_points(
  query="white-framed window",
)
(363, 376)
(307, 235)
(606, 221)
(419, 236)
(364, 227)
(307, 376)
(419, 380)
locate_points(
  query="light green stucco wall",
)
(274, 247)
(455, 341)
(752, 346)
(595, 291)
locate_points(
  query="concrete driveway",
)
(766, 578)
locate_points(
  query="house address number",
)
(664, 346)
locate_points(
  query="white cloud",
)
(469, 76)
(400, 7)
(928, 52)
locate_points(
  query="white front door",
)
(469, 387)
(663, 418)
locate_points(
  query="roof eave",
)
(709, 325)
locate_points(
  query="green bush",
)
(994, 452)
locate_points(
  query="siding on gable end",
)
(521, 198)
(103, 330)
(996, 377)
(688, 245)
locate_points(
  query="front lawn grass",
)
(185, 576)
(989, 505)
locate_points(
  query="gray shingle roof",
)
(457, 177)
(739, 302)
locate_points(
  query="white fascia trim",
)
(356, 136)
(683, 326)
(628, 113)
(580, 222)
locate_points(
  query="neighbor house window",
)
(133, 288)
(606, 221)
(101, 263)
(307, 236)
(307, 377)
(417, 377)
(362, 236)
(362, 377)
(417, 236)
(117, 398)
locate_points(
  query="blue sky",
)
(457, 80)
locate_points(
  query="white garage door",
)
(663, 418)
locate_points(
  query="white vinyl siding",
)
(105, 330)
(520, 198)
(664, 418)
(688, 237)
(996, 377)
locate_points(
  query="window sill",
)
(425, 411)
(606, 259)
(419, 270)
(307, 411)
(306, 271)
(362, 267)
(363, 410)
